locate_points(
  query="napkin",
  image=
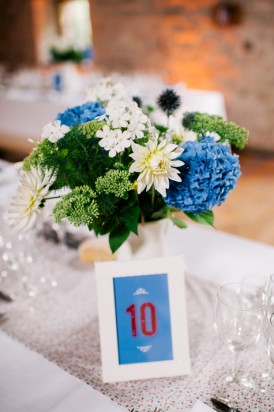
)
(30, 383)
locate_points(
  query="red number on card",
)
(144, 309)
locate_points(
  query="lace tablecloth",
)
(62, 324)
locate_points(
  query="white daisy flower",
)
(156, 165)
(54, 131)
(26, 204)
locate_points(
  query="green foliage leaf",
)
(205, 218)
(131, 219)
(178, 222)
(149, 109)
(160, 214)
(117, 237)
(160, 128)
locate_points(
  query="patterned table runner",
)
(62, 325)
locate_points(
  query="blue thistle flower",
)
(81, 114)
(169, 101)
(209, 174)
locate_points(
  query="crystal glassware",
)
(269, 335)
(267, 375)
(24, 267)
(238, 321)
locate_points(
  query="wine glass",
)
(24, 270)
(269, 335)
(267, 374)
(270, 339)
(270, 298)
(238, 321)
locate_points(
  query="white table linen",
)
(62, 323)
(30, 383)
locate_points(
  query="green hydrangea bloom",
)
(79, 207)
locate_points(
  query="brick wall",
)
(180, 40)
(17, 43)
(177, 39)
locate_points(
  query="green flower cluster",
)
(90, 128)
(78, 206)
(114, 182)
(228, 131)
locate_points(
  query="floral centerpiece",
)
(121, 168)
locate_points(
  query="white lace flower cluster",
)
(54, 131)
(105, 90)
(125, 122)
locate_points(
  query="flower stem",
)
(52, 197)
(152, 197)
(142, 219)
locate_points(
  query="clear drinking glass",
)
(238, 320)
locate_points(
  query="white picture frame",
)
(121, 326)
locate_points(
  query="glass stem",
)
(234, 364)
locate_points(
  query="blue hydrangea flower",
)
(81, 114)
(210, 172)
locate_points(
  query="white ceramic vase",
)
(150, 242)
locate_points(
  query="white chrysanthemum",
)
(105, 90)
(25, 205)
(156, 165)
(54, 131)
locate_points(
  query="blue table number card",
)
(143, 318)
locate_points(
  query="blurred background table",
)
(23, 113)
